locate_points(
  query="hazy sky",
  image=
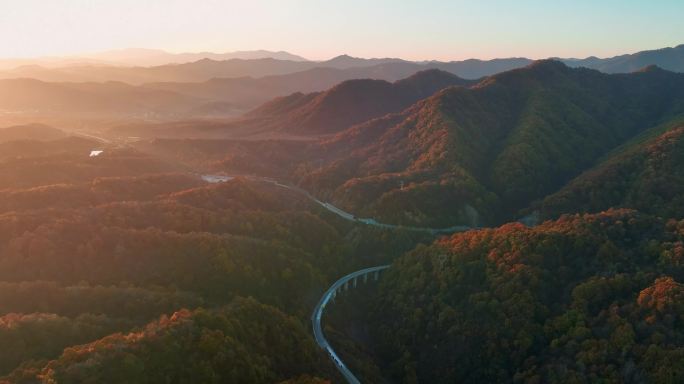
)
(319, 29)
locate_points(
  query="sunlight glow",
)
(431, 29)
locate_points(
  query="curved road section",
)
(338, 211)
(320, 307)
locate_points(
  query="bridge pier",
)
(377, 273)
(355, 282)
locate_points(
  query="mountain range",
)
(483, 151)
(312, 114)
(350, 102)
(586, 289)
(143, 57)
(667, 58)
(475, 154)
(137, 265)
(199, 67)
(227, 88)
(469, 154)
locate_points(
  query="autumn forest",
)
(258, 216)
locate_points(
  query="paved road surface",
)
(318, 314)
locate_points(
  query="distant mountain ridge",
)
(346, 61)
(143, 57)
(207, 68)
(671, 59)
(312, 114)
(228, 88)
(351, 102)
(199, 67)
(154, 57)
(37, 97)
(248, 92)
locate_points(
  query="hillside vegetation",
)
(480, 155)
(115, 268)
(130, 265)
(648, 176)
(350, 102)
(582, 299)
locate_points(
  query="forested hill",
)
(245, 342)
(647, 175)
(350, 102)
(479, 155)
(582, 299)
(105, 262)
(129, 267)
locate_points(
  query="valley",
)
(259, 216)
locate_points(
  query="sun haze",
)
(415, 30)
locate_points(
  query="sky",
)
(321, 29)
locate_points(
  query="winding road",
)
(353, 277)
(344, 281)
(320, 307)
(339, 212)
